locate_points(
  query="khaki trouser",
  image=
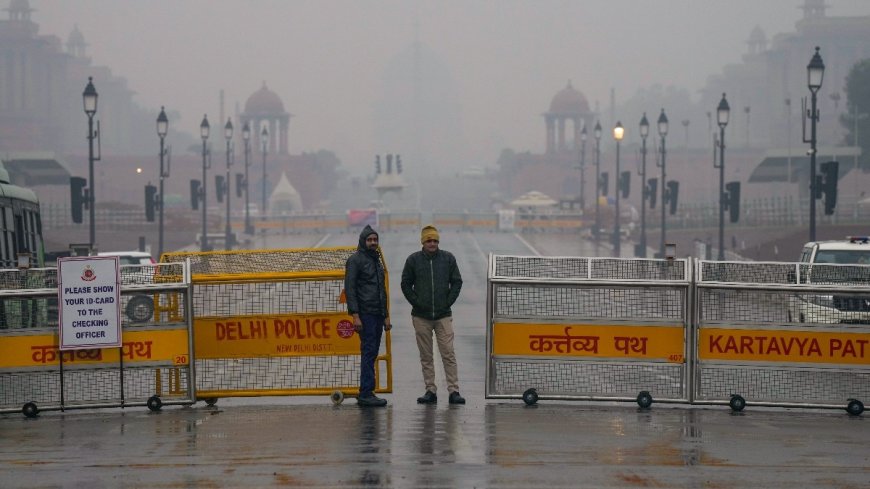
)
(443, 329)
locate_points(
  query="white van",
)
(843, 263)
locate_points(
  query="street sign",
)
(89, 294)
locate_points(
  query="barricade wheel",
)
(737, 403)
(210, 401)
(530, 397)
(337, 397)
(855, 407)
(31, 411)
(154, 403)
(644, 399)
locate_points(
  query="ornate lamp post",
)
(228, 135)
(662, 124)
(203, 132)
(597, 133)
(264, 146)
(618, 133)
(246, 137)
(89, 97)
(723, 111)
(644, 132)
(162, 130)
(815, 75)
(583, 168)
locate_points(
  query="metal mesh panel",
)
(20, 387)
(240, 299)
(92, 385)
(588, 302)
(785, 273)
(33, 278)
(764, 384)
(263, 261)
(305, 372)
(580, 378)
(140, 383)
(730, 305)
(589, 268)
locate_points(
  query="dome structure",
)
(569, 101)
(264, 101)
(75, 42)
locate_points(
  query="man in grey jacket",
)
(431, 283)
(366, 293)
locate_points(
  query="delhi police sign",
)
(89, 295)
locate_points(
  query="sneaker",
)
(428, 398)
(372, 400)
(456, 398)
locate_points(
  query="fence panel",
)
(152, 367)
(782, 334)
(587, 328)
(274, 322)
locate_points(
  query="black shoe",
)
(456, 398)
(372, 400)
(428, 398)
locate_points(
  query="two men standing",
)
(431, 283)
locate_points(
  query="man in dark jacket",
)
(431, 282)
(366, 294)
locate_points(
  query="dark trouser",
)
(370, 343)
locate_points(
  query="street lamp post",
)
(583, 168)
(618, 133)
(597, 133)
(662, 124)
(89, 96)
(723, 111)
(815, 75)
(246, 137)
(203, 132)
(644, 132)
(162, 129)
(264, 145)
(228, 232)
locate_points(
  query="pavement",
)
(308, 442)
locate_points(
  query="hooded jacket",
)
(431, 283)
(364, 283)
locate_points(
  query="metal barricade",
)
(587, 328)
(274, 322)
(152, 367)
(782, 334)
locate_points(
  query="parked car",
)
(839, 263)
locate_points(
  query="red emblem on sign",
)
(344, 328)
(88, 274)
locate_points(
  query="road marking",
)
(322, 240)
(479, 249)
(528, 245)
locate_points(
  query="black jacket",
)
(364, 284)
(431, 283)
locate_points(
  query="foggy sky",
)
(327, 59)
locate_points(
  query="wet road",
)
(307, 442)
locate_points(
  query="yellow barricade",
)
(274, 322)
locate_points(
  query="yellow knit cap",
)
(429, 232)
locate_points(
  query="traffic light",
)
(830, 171)
(219, 187)
(195, 194)
(78, 197)
(150, 202)
(240, 184)
(378, 164)
(624, 183)
(652, 191)
(671, 196)
(732, 200)
(389, 164)
(602, 184)
(398, 164)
